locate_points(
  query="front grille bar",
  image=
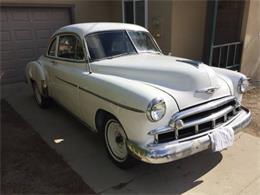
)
(212, 117)
(203, 107)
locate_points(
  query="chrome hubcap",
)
(116, 140)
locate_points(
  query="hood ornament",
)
(209, 90)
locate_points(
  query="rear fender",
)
(35, 73)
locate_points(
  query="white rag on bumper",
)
(222, 138)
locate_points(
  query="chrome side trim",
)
(67, 82)
(115, 103)
(108, 100)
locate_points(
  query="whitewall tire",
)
(115, 140)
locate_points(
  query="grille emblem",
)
(209, 90)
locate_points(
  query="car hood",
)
(184, 80)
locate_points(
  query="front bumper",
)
(171, 151)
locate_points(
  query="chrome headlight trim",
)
(156, 108)
(243, 85)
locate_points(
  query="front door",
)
(66, 71)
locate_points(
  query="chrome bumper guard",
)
(171, 151)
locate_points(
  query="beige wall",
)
(251, 51)
(116, 10)
(188, 25)
(85, 10)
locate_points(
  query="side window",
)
(70, 47)
(52, 48)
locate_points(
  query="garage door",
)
(25, 33)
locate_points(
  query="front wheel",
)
(115, 140)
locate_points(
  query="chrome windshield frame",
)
(152, 39)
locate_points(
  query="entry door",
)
(135, 12)
(224, 44)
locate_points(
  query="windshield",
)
(143, 42)
(111, 44)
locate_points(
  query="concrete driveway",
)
(233, 171)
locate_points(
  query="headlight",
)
(243, 85)
(156, 109)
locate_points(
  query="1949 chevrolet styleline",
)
(147, 105)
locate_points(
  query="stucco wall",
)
(85, 10)
(187, 29)
(251, 51)
(115, 9)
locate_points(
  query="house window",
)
(135, 12)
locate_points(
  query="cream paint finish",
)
(84, 29)
(64, 93)
(124, 86)
(128, 93)
(173, 75)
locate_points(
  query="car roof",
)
(84, 29)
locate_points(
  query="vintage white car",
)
(148, 106)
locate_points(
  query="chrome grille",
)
(199, 119)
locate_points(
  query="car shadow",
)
(175, 177)
(179, 176)
(84, 151)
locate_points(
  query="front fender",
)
(126, 92)
(127, 100)
(232, 78)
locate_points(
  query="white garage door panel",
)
(25, 34)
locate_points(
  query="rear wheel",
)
(42, 101)
(115, 140)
